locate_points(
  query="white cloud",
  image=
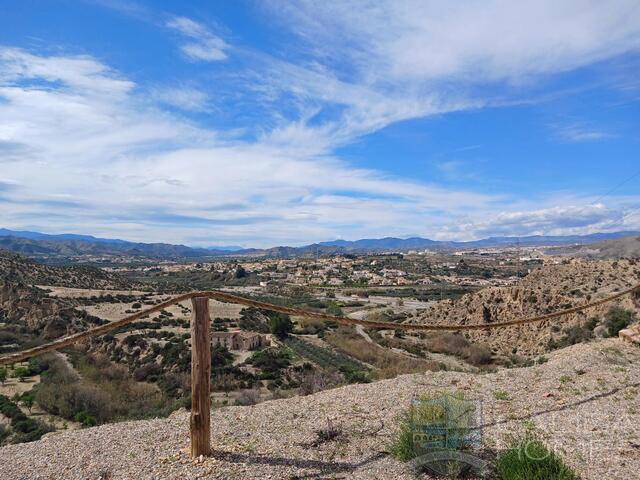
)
(552, 220)
(205, 45)
(114, 165)
(472, 41)
(85, 150)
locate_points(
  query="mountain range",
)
(67, 246)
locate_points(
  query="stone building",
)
(239, 340)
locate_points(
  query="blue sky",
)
(274, 122)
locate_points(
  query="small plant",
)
(528, 458)
(327, 434)
(500, 395)
(542, 359)
(3, 375)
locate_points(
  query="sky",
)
(262, 123)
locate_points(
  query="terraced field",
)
(323, 357)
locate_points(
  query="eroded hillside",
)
(547, 289)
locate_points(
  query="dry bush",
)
(317, 380)
(103, 390)
(248, 397)
(456, 344)
(310, 326)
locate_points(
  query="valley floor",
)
(584, 401)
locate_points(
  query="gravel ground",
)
(584, 401)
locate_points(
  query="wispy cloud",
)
(181, 97)
(580, 133)
(204, 45)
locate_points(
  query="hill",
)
(18, 269)
(625, 247)
(583, 401)
(62, 248)
(29, 314)
(547, 289)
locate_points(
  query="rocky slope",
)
(584, 401)
(30, 313)
(545, 290)
(619, 248)
(17, 269)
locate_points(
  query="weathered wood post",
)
(200, 377)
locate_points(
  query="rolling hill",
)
(72, 246)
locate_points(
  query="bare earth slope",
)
(584, 401)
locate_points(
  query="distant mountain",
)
(315, 249)
(226, 248)
(70, 246)
(64, 236)
(417, 243)
(387, 243)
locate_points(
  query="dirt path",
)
(363, 334)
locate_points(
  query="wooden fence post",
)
(200, 378)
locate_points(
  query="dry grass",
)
(387, 364)
(456, 344)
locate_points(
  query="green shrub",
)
(270, 361)
(220, 357)
(85, 419)
(618, 319)
(25, 429)
(38, 365)
(21, 373)
(354, 376)
(528, 458)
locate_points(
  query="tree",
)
(220, 357)
(21, 373)
(241, 272)
(617, 319)
(3, 375)
(27, 401)
(486, 314)
(281, 325)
